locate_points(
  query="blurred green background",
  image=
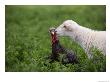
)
(28, 42)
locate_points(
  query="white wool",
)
(85, 37)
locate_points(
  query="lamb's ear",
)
(68, 27)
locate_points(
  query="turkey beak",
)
(52, 33)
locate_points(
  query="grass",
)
(28, 40)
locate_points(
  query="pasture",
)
(28, 42)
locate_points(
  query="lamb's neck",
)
(81, 34)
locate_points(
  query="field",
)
(28, 42)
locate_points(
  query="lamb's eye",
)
(64, 26)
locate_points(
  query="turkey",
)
(58, 49)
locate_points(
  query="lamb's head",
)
(66, 28)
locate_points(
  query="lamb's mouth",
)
(57, 34)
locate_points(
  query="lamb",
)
(85, 37)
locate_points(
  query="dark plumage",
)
(57, 49)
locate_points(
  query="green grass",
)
(28, 41)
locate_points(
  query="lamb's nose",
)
(55, 30)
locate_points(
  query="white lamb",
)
(85, 37)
